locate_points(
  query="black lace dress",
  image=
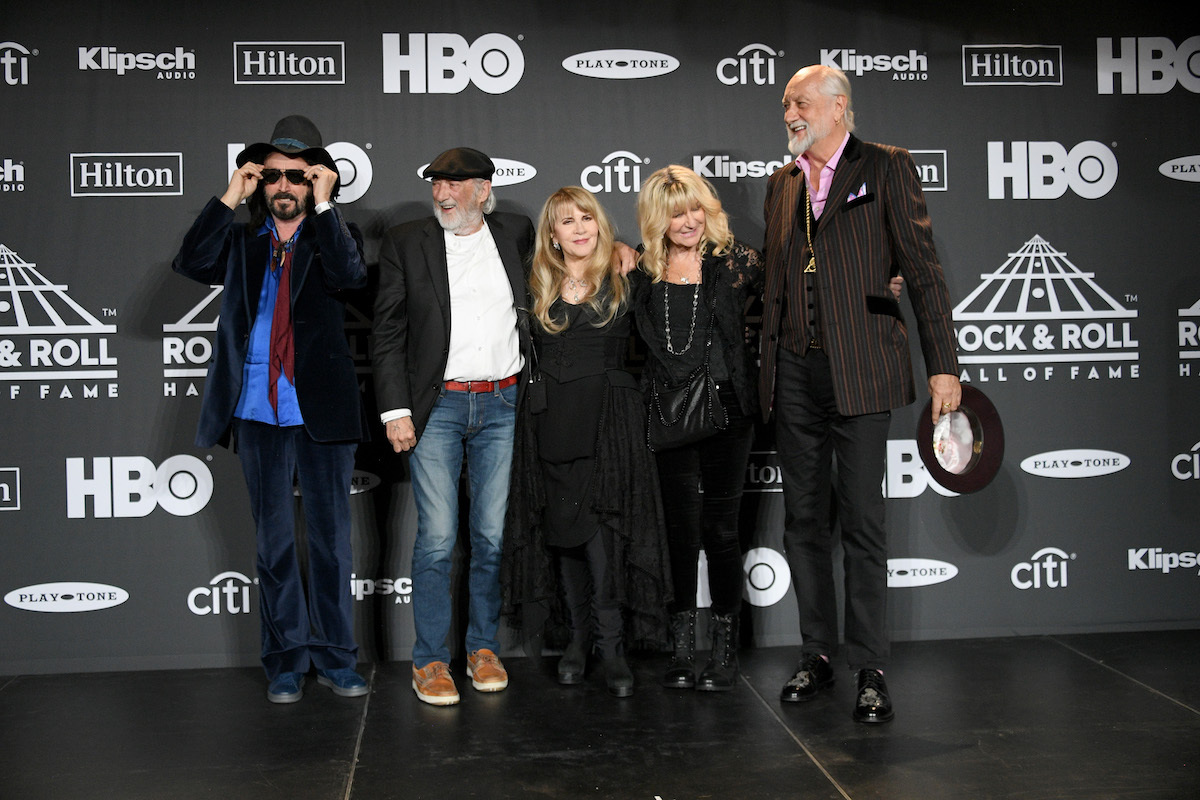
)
(581, 464)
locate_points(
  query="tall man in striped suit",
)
(841, 221)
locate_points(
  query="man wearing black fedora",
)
(282, 386)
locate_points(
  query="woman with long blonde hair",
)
(583, 484)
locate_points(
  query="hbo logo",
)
(131, 486)
(1044, 170)
(443, 63)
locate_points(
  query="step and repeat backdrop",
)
(1059, 153)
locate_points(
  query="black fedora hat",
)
(964, 450)
(294, 135)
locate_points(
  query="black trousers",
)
(810, 435)
(701, 486)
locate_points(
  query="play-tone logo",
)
(10, 488)
(508, 172)
(275, 63)
(1147, 64)
(14, 64)
(227, 593)
(1047, 569)
(1039, 309)
(46, 335)
(1045, 170)
(444, 63)
(1075, 463)
(1012, 65)
(618, 65)
(910, 66)
(66, 597)
(754, 63)
(126, 174)
(1186, 168)
(354, 167)
(619, 171)
(131, 486)
(910, 573)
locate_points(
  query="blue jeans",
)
(481, 425)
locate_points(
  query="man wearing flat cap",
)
(282, 386)
(447, 359)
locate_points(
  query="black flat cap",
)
(459, 163)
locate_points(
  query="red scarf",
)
(283, 345)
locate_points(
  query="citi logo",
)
(10, 488)
(365, 587)
(178, 64)
(289, 62)
(1075, 463)
(931, 169)
(1039, 308)
(1012, 65)
(227, 593)
(131, 486)
(620, 65)
(14, 64)
(910, 66)
(1147, 64)
(66, 597)
(1045, 170)
(720, 166)
(755, 63)
(1186, 168)
(12, 176)
(508, 172)
(126, 174)
(1186, 466)
(1157, 559)
(620, 171)
(1047, 569)
(445, 63)
(908, 573)
(354, 167)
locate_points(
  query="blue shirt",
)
(254, 403)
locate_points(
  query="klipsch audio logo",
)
(620, 64)
(131, 486)
(1041, 312)
(45, 335)
(228, 593)
(1189, 339)
(754, 63)
(1045, 170)
(384, 587)
(176, 65)
(909, 573)
(12, 176)
(66, 597)
(931, 169)
(620, 171)
(1147, 64)
(289, 62)
(1012, 65)
(732, 169)
(14, 64)
(1159, 560)
(10, 489)
(508, 172)
(1075, 463)
(1047, 569)
(910, 66)
(445, 63)
(126, 174)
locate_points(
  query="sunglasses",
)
(294, 176)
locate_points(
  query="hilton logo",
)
(126, 174)
(289, 62)
(1012, 65)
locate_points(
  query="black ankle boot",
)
(681, 672)
(721, 670)
(573, 663)
(618, 677)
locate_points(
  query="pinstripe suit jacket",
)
(860, 244)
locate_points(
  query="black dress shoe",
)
(872, 703)
(573, 663)
(618, 677)
(813, 675)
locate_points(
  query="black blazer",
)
(327, 259)
(412, 309)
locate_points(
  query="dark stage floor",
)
(1087, 716)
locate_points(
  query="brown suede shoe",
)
(486, 672)
(434, 685)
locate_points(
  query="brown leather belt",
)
(480, 386)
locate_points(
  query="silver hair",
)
(489, 205)
(833, 83)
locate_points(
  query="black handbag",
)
(689, 412)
